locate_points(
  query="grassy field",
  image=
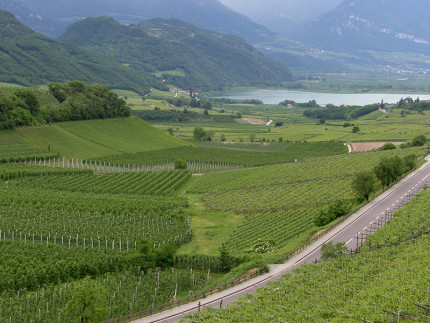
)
(96, 138)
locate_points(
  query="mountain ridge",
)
(207, 14)
(380, 25)
(205, 59)
(29, 58)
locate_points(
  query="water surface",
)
(276, 96)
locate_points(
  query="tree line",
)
(75, 101)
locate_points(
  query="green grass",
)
(97, 138)
(176, 72)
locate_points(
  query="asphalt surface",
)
(366, 220)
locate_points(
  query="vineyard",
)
(376, 285)
(92, 139)
(13, 147)
(124, 292)
(235, 155)
(61, 224)
(282, 201)
(142, 183)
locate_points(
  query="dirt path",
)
(368, 146)
(254, 121)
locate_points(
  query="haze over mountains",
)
(282, 16)
(30, 58)
(133, 57)
(208, 14)
(183, 54)
(307, 35)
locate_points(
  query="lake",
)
(276, 96)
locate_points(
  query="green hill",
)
(181, 53)
(29, 58)
(97, 138)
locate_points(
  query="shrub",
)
(388, 146)
(181, 164)
(334, 211)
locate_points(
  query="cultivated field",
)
(374, 285)
(368, 146)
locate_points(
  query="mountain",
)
(282, 16)
(29, 58)
(207, 14)
(30, 18)
(376, 25)
(183, 54)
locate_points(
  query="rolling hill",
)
(29, 58)
(97, 138)
(183, 54)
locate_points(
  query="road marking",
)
(371, 223)
(350, 240)
(364, 228)
(378, 217)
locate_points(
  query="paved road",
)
(360, 223)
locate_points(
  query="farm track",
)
(356, 224)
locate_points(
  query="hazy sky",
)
(294, 9)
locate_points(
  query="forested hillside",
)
(29, 58)
(183, 54)
(208, 14)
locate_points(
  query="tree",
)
(223, 137)
(225, 259)
(170, 131)
(330, 250)
(31, 101)
(209, 135)
(180, 164)
(364, 184)
(199, 133)
(89, 302)
(356, 129)
(252, 137)
(410, 161)
(389, 170)
(420, 140)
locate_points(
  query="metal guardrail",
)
(185, 300)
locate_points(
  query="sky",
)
(298, 10)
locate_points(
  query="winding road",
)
(365, 220)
